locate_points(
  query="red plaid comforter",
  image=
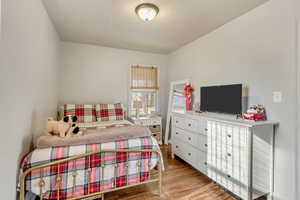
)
(100, 178)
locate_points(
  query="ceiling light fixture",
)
(147, 11)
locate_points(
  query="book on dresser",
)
(236, 154)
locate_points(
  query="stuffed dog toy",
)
(66, 127)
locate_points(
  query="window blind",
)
(144, 77)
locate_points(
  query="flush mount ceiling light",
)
(147, 11)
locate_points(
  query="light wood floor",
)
(180, 182)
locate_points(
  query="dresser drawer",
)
(178, 149)
(191, 125)
(179, 134)
(178, 122)
(191, 155)
(192, 139)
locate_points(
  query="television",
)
(222, 99)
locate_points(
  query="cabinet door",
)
(202, 145)
(202, 162)
(202, 128)
(211, 142)
(211, 173)
(227, 154)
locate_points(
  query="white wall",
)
(297, 10)
(258, 50)
(91, 74)
(28, 82)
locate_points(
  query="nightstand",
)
(154, 124)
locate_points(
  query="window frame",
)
(131, 91)
(130, 114)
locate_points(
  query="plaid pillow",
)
(84, 112)
(109, 112)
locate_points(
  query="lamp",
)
(147, 11)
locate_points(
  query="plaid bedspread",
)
(89, 169)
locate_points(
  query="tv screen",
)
(222, 99)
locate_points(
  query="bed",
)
(91, 169)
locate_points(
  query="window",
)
(143, 91)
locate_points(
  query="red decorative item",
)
(188, 90)
(256, 113)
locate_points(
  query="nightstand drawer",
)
(155, 128)
(156, 136)
(155, 122)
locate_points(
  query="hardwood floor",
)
(180, 182)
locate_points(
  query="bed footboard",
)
(58, 181)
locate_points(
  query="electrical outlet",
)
(277, 97)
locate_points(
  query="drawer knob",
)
(176, 147)
(228, 176)
(176, 122)
(229, 136)
(229, 154)
(206, 129)
(190, 138)
(190, 125)
(176, 133)
(205, 163)
(190, 154)
(206, 145)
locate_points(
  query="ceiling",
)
(113, 23)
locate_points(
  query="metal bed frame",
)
(158, 179)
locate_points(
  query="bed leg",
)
(102, 196)
(160, 179)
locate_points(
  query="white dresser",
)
(236, 154)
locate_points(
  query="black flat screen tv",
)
(222, 99)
